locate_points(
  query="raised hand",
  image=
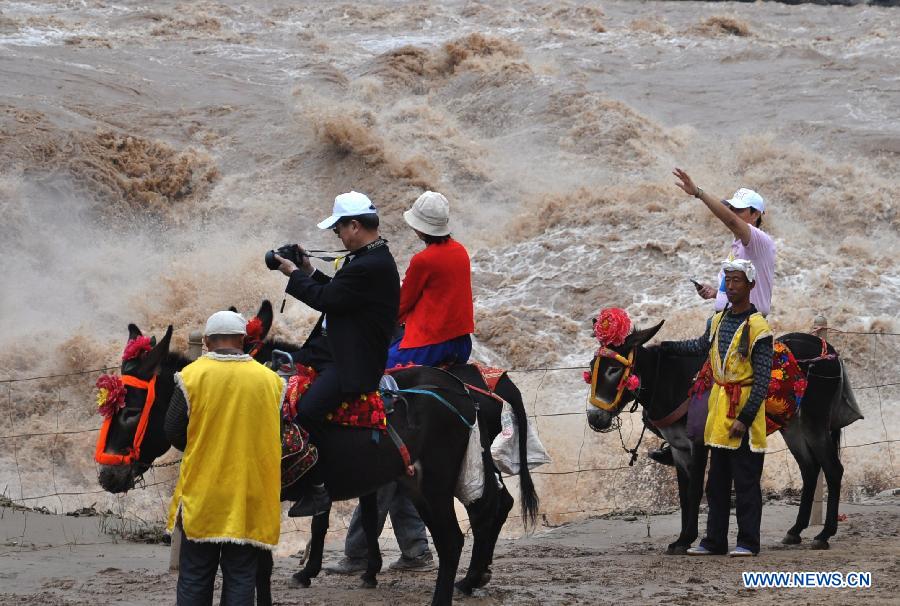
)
(687, 184)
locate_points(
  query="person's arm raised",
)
(737, 225)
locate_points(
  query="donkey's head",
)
(613, 377)
(257, 343)
(134, 435)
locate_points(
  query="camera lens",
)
(271, 262)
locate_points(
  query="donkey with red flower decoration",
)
(807, 372)
(355, 464)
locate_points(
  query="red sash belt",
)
(733, 389)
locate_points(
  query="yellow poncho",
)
(735, 370)
(230, 481)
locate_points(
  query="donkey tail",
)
(529, 498)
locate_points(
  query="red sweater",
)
(436, 295)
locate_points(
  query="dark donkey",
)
(355, 466)
(812, 435)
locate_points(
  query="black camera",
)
(291, 252)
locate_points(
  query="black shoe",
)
(315, 501)
(662, 456)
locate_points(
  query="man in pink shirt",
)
(742, 214)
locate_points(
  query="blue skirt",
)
(454, 351)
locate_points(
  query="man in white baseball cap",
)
(742, 215)
(348, 346)
(438, 318)
(350, 204)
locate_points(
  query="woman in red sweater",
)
(436, 294)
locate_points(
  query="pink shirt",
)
(761, 252)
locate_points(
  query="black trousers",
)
(198, 563)
(323, 396)
(743, 468)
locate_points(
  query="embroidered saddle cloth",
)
(786, 389)
(367, 410)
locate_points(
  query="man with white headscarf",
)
(738, 342)
(225, 416)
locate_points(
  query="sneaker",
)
(663, 456)
(700, 550)
(314, 502)
(421, 562)
(741, 552)
(347, 566)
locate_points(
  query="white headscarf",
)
(743, 265)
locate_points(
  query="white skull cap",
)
(226, 323)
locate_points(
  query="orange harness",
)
(134, 451)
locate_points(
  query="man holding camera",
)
(349, 344)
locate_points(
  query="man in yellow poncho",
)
(739, 344)
(225, 416)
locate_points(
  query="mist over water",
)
(151, 153)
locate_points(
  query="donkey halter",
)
(628, 363)
(134, 451)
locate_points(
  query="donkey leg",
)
(834, 472)
(680, 546)
(264, 567)
(487, 516)
(809, 471)
(317, 541)
(368, 510)
(440, 517)
(699, 457)
(505, 506)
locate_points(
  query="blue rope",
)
(436, 396)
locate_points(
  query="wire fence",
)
(48, 441)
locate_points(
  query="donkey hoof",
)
(368, 582)
(791, 539)
(300, 579)
(676, 549)
(484, 579)
(819, 544)
(463, 587)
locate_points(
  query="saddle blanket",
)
(367, 410)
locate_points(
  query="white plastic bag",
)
(505, 447)
(470, 484)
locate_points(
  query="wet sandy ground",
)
(597, 561)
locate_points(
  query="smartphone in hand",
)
(697, 285)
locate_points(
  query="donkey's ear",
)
(152, 361)
(639, 337)
(133, 332)
(266, 315)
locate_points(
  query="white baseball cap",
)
(350, 204)
(747, 198)
(226, 323)
(430, 214)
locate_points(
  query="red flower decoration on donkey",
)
(110, 395)
(612, 326)
(136, 347)
(632, 383)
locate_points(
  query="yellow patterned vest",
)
(733, 379)
(230, 481)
